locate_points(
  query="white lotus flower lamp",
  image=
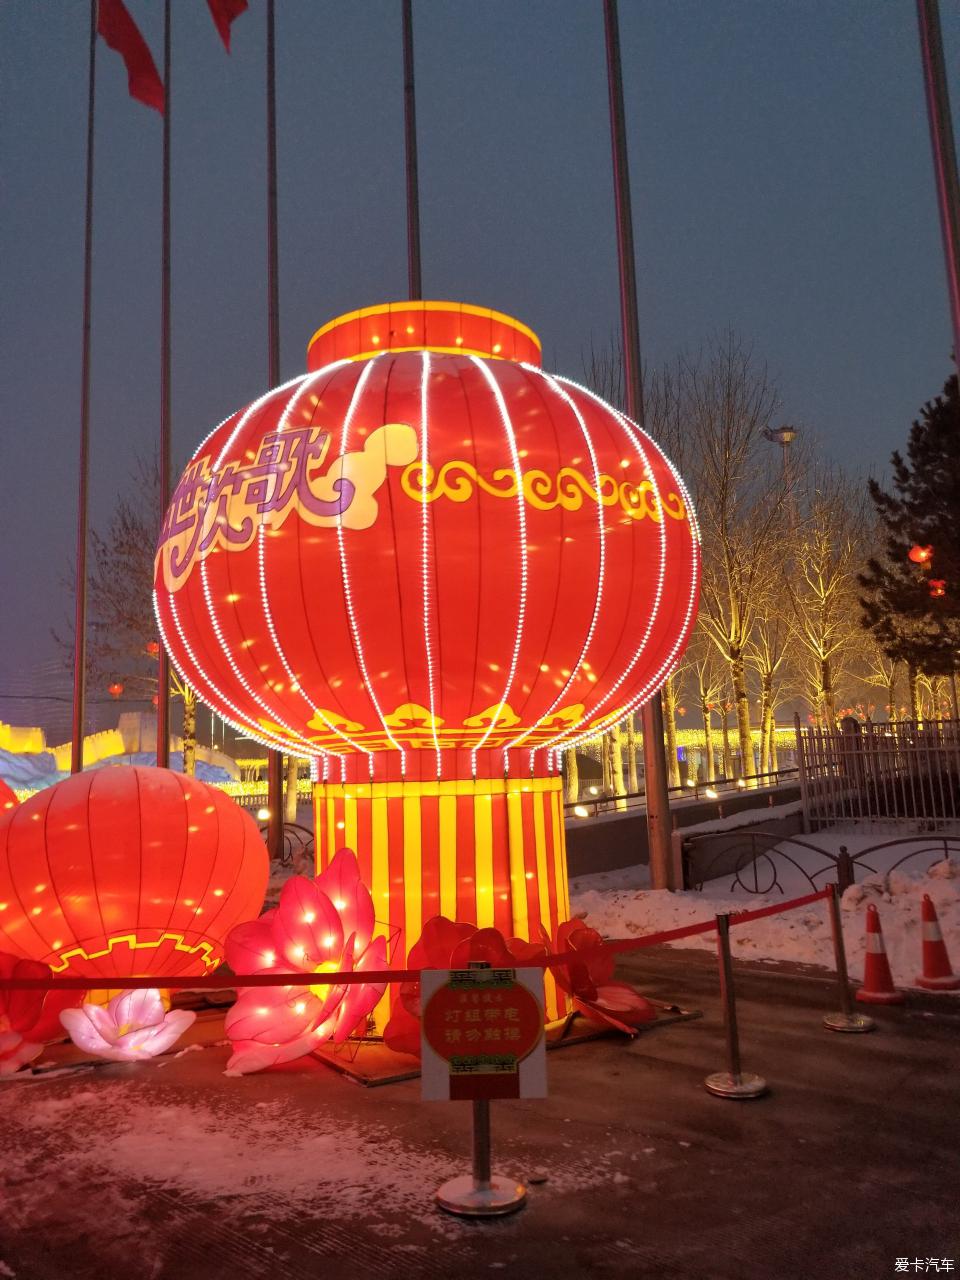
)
(133, 1026)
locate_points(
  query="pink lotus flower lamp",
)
(324, 925)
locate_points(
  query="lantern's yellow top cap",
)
(450, 328)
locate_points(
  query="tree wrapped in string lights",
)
(430, 566)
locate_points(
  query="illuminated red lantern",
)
(155, 699)
(127, 871)
(430, 566)
(152, 647)
(8, 798)
(938, 587)
(920, 555)
(115, 689)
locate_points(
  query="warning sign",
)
(482, 1034)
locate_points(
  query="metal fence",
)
(881, 774)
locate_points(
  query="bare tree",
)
(768, 653)
(725, 401)
(828, 551)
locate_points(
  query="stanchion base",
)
(848, 1022)
(746, 1085)
(462, 1196)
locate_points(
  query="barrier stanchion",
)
(846, 1019)
(482, 1195)
(734, 1083)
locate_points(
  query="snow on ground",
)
(270, 1158)
(620, 904)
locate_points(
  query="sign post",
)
(482, 1038)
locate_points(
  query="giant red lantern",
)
(127, 871)
(429, 566)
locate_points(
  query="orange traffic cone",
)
(937, 974)
(878, 985)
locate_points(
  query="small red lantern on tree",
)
(938, 587)
(152, 647)
(921, 555)
(115, 689)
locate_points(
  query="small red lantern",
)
(152, 647)
(920, 555)
(115, 689)
(938, 587)
(127, 871)
(155, 699)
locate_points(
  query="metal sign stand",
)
(734, 1083)
(846, 1019)
(480, 1194)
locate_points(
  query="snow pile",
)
(621, 906)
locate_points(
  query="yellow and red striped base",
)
(485, 851)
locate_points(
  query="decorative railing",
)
(754, 859)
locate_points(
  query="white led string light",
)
(629, 430)
(243, 724)
(246, 723)
(347, 593)
(574, 672)
(522, 521)
(295, 682)
(655, 682)
(296, 737)
(425, 551)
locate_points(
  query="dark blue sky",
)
(782, 186)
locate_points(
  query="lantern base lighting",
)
(484, 851)
(468, 1198)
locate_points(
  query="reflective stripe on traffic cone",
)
(878, 985)
(937, 974)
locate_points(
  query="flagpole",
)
(415, 282)
(80, 584)
(944, 152)
(651, 714)
(274, 758)
(163, 664)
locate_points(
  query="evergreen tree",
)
(908, 620)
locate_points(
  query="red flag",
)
(223, 13)
(122, 34)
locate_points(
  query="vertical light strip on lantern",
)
(601, 551)
(522, 525)
(347, 596)
(198, 678)
(425, 550)
(306, 386)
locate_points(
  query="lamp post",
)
(784, 437)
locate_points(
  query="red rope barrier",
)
(744, 917)
(215, 982)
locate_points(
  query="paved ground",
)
(848, 1164)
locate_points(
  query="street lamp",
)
(784, 437)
